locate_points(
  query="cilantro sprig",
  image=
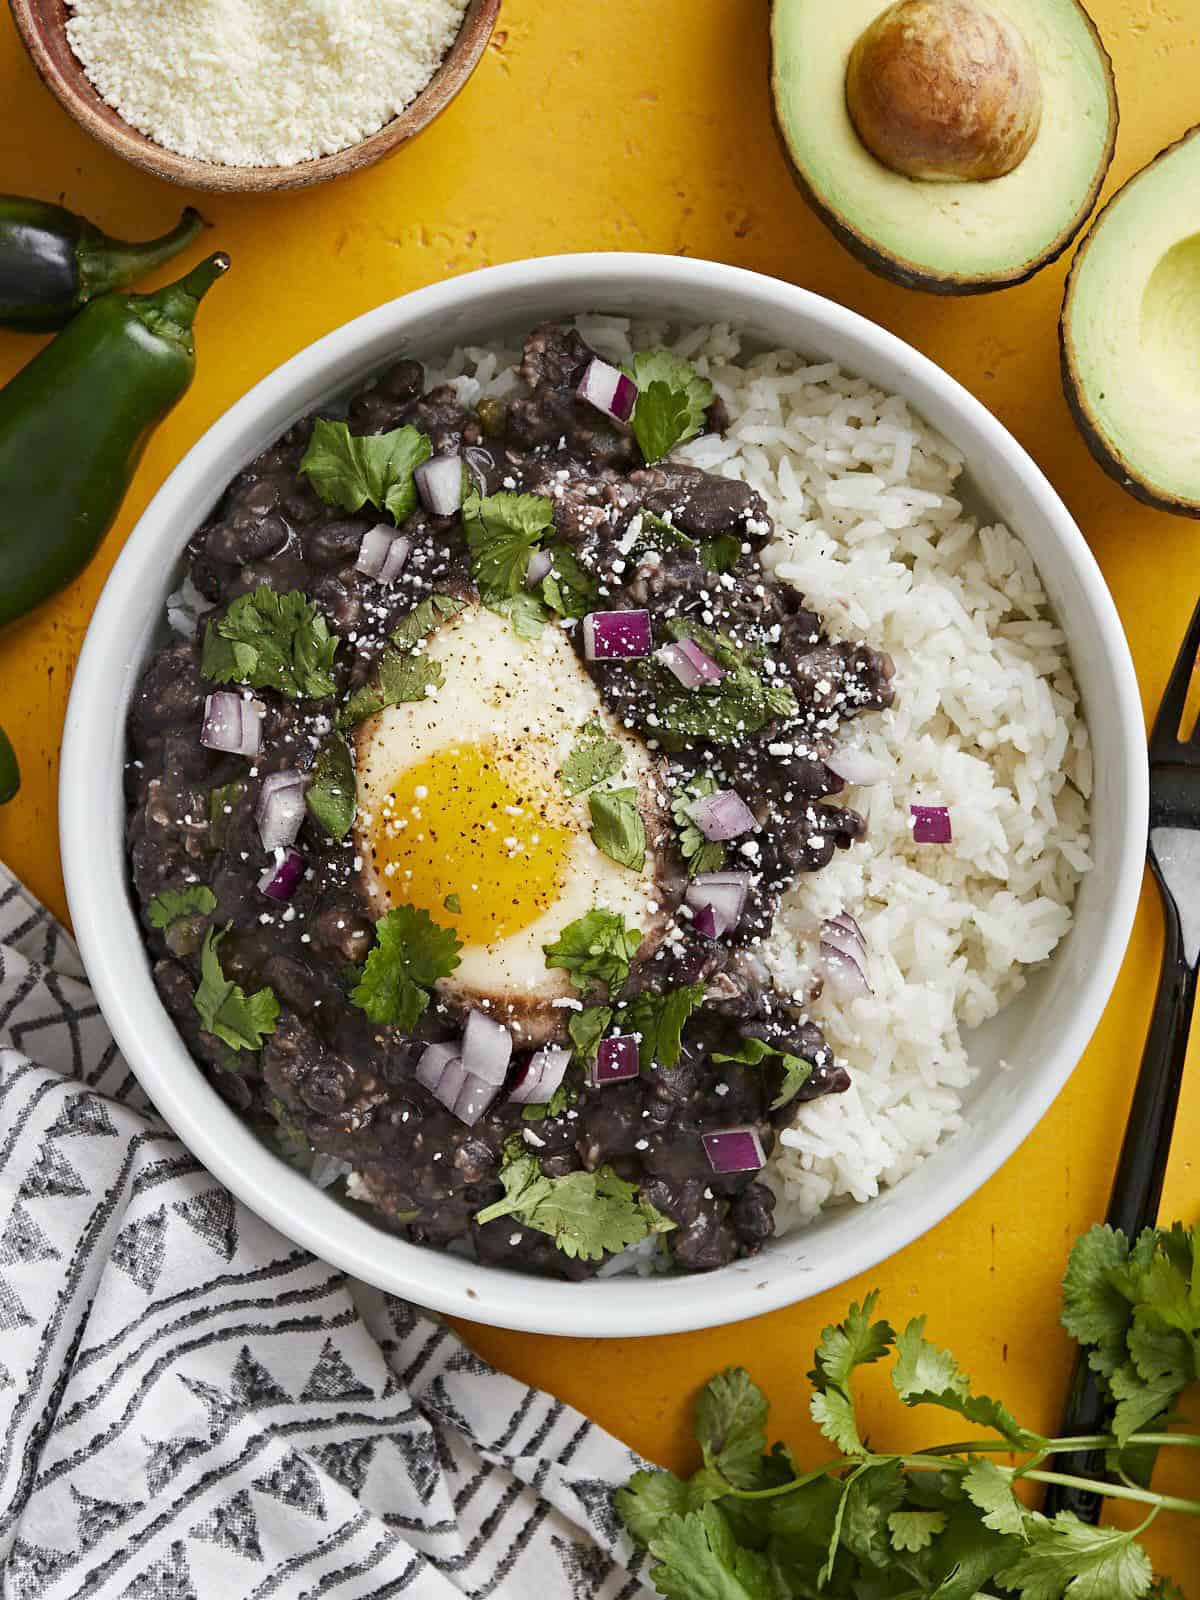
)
(745, 700)
(672, 399)
(405, 674)
(240, 1020)
(410, 954)
(617, 827)
(272, 641)
(594, 759)
(597, 948)
(752, 1052)
(351, 470)
(946, 1523)
(588, 1215)
(701, 854)
(194, 900)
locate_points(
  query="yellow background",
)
(644, 125)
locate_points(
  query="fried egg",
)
(462, 813)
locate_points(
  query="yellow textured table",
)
(645, 125)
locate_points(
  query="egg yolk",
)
(473, 827)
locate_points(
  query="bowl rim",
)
(110, 940)
(450, 76)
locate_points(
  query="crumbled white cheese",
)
(261, 85)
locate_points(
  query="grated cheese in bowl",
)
(260, 83)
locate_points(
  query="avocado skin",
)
(1117, 467)
(905, 273)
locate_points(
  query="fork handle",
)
(1137, 1188)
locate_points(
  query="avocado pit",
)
(944, 90)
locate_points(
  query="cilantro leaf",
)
(699, 1559)
(410, 954)
(1097, 1297)
(594, 759)
(659, 1020)
(222, 803)
(730, 1424)
(241, 1021)
(753, 1052)
(853, 1343)
(617, 827)
(870, 1499)
(353, 470)
(587, 1028)
(989, 1488)
(569, 587)
(525, 611)
(332, 795)
(195, 900)
(648, 1499)
(453, 905)
(672, 399)
(587, 1214)
(407, 679)
(272, 641)
(502, 531)
(723, 553)
(596, 948)
(925, 1375)
(743, 702)
(701, 854)
(1070, 1560)
(423, 619)
(915, 1530)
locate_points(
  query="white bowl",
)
(1041, 1036)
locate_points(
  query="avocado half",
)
(946, 237)
(1130, 332)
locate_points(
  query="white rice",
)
(986, 722)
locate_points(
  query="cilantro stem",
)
(1112, 1491)
(797, 1483)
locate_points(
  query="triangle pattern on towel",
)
(12, 1312)
(51, 1175)
(22, 1239)
(332, 1379)
(167, 1579)
(295, 1484)
(213, 1216)
(253, 1385)
(82, 1115)
(233, 1526)
(140, 1248)
(99, 1517)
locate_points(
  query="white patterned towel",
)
(191, 1408)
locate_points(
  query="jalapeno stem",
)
(106, 264)
(172, 310)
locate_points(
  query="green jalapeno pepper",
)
(10, 774)
(52, 262)
(74, 424)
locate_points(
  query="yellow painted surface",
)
(644, 125)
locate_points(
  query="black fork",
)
(1174, 851)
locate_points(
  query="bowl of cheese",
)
(281, 95)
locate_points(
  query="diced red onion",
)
(440, 484)
(931, 825)
(540, 563)
(843, 972)
(280, 809)
(434, 1062)
(232, 724)
(541, 1075)
(856, 766)
(724, 815)
(718, 900)
(616, 1060)
(734, 1150)
(473, 1099)
(282, 878)
(609, 390)
(691, 665)
(480, 463)
(844, 934)
(486, 1048)
(617, 635)
(383, 553)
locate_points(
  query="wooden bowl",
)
(42, 25)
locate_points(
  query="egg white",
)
(531, 696)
